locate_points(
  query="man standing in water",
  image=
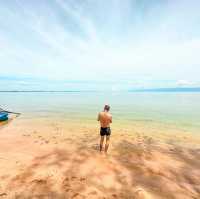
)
(105, 118)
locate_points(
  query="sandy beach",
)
(48, 159)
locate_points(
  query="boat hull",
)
(3, 116)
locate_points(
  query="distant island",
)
(175, 89)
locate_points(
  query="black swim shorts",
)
(105, 131)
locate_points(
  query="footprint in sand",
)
(93, 193)
(142, 194)
(66, 139)
(26, 135)
(75, 195)
(150, 140)
(73, 183)
(73, 177)
(95, 147)
(3, 194)
(56, 127)
(4, 177)
(67, 186)
(66, 182)
(39, 181)
(82, 179)
(114, 195)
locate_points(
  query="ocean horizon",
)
(169, 89)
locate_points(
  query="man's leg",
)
(101, 143)
(107, 143)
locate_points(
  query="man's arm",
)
(98, 118)
(111, 119)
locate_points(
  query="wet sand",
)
(48, 159)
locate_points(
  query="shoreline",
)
(57, 160)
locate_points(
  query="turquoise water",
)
(178, 109)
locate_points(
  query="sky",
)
(58, 44)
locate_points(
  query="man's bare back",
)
(105, 119)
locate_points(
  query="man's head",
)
(106, 107)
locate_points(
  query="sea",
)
(175, 109)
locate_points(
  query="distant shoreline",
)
(43, 91)
(197, 89)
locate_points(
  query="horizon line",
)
(172, 89)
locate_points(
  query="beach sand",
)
(45, 158)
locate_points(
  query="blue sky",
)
(129, 43)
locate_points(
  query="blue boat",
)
(3, 116)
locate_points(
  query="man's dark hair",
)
(107, 107)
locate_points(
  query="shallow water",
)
(180, 110)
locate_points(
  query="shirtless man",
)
(105, 118)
